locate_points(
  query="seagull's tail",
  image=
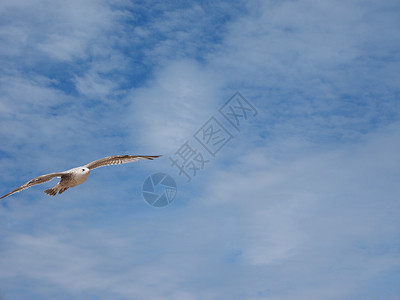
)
(57, 189)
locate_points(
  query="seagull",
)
(77, 176)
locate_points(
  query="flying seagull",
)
(77, 176)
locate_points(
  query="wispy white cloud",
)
(172, 106)
(59, 30)
(320, 216)
(319, 226)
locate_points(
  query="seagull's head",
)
(84, 170)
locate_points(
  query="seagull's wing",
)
(35, 181)
(117, 160)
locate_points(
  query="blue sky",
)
(302, 203)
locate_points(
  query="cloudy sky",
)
(300, 200)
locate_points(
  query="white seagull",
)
(77, 176)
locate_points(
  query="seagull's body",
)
(77, 176)
(73, 177)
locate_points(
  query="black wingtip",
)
(153, 157)
(6, 195)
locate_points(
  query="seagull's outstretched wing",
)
(117, 160)
(35, 181)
